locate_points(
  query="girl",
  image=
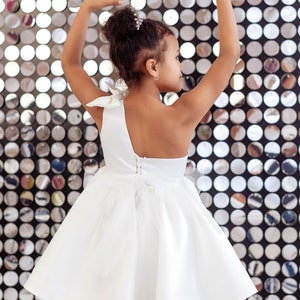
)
(139, 230)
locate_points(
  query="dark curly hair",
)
(130, 47)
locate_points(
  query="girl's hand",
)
(99, 4)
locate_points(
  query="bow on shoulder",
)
(118, 92)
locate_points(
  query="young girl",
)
(139, 230)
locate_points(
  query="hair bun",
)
(122, 24)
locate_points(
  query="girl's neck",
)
(145, 90)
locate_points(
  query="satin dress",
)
(138, 231)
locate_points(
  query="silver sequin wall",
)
(244, 157)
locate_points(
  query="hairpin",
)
(138, 20)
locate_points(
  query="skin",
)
(156, 130)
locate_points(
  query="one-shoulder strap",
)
(105, 101)
(118, 92)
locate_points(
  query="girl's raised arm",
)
(81, 84)
(195, 103)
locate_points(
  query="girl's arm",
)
(81, 84)
(193, 105)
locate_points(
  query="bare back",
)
(153, 130)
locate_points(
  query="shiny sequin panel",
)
(244, 157)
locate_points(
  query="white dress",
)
(139, 231)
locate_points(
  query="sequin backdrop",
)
(244, 157)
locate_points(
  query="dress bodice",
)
(120, 156)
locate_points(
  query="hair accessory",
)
(138, 20)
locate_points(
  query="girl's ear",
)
(151, 67)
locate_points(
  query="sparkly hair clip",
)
(138, 20)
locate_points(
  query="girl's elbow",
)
(236, 56)
(66, 67)
(63, 61)
(233, 53)
(237, 51)
(65, 64)
(231, 50)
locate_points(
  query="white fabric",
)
(138, 232)
(106, 102)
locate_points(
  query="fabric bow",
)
(118, 92)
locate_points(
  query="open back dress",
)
(138, 231)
